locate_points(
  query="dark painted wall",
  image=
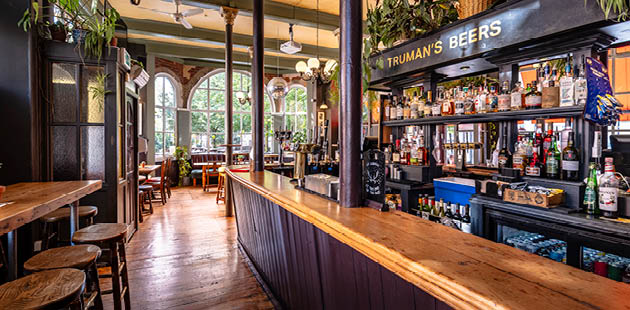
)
(308, 269)
(15, 96)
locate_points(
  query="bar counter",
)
(456, 269)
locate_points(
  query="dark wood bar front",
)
(314, 254)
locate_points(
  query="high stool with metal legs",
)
(60, 215)
(112, 236)
(221, 185)
(50, 289)
(81, 257)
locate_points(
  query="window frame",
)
(296, 111)
(167, 77)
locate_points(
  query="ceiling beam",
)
(274, 11)
(211, 54)
(200, 35)
(220, 65)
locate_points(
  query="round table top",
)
(100, 232)
(46, 289)
(77, 256)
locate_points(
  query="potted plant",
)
(58, 31)
(181, 155)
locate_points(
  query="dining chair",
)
(159, 183)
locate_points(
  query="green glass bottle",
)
(553, 159)
(590, 193)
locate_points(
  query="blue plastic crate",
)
(454, 190)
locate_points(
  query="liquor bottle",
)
(438, 150)
(423, 153)
(482, 103)
(428, 105)
(546, 144)
(396, 153)
(436, 109)
(457, 217)
(400, 109)
(459, 101)
(403, 154)
(393, 113)
(505, 98)
(519, 160)
(406, 108)
(608, 190)
(553, 160)
(413, 113)
(534, 167)
(581, 87)
(426, 209)
(505, 157)
(469, 101)
(566, 87)
(493, 100)
(570, 161)
(546, 75)
(438, 207)
(413, 158)
(590, 193)
(422, 101)
(387, 106)
(533, 99)
(448, 213)
(466, 223)
(448, 107)
(517, 100)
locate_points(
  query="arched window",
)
(208, 112)
(165, 119)
(295, 110)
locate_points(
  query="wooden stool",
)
(60, 215)
(112, 236)
(146, 193)
(51, 289)
(80, 257)
(221, 185)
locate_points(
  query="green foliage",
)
(621, 8)
(98, 91)
(101, 29)
(298, 137)
(181, 155)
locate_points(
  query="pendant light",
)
(311, 69)
(277, 87)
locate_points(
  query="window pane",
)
(93, 152)
(217, 139)
(217, 100)
(301, 123)
(204, 84)
(169, 93)
(217, 122)
(246, 107)
(267, 104)
(301, 100)
(200, 100)
(64, 91)
(199, 140)
(236, 139)
(218, 81)
(199, 121)
(159, 143)
(169, 117)
(159, 120)
(236, 82)
(247, 123)
(237, 106)
(289, 122)
(159, 89)
(289, 100)
(268, 126)
(169, 143)
(64, 153)
(246, 140)
(246, 82)
(92, 103)
(236, 123)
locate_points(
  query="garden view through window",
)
(165, 111)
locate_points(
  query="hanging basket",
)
(468, 8)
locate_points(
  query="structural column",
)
(257, 86)
(350, 109)
(228, 14)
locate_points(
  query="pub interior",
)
(321, 154)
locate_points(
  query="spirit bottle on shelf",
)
(493, 100)
(400, 109)
(590, 193)
(438, 150)
(533, 99)
(519, 160)
(414, 106)
(517, 100)
(396, 153)
(436, 109)
(406, 108)
(608, 190)
(552, 163)
(457, 217)
(505, 98)
(466, 223)
(566, 87)
(403, 154)
(448, 106)
(423, 153)
(570, 161)
(422, 101)
(449, 213)
(581, 88)
(386, 107)
(428, 105)
(413, 158)
(393, 113)
(546, 144)
(546, 75)
(505, 157)
(459, 101)
(534, 168)
(469, 101)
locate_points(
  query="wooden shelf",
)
(492, 117)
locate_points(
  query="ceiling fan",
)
(180, 17)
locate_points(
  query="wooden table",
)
(31, 200)
(148, 169)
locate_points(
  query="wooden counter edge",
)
(444, 289)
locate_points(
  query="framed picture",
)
(321, 117)
(126, 58)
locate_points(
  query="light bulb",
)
(313, 63)
(240, 95)
(301, 67)
(330, 65)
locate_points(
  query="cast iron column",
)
(228, 14)
(258, 105)
(350, 109)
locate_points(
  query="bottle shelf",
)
(558, 112)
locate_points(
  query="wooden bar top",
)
(31, 200)
(464, 271)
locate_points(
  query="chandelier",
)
(311, 70)
(277, 88)
(244, 97)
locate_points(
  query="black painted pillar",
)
(258, 105)
(229, 14)
(350, 109)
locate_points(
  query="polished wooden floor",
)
(185, 256)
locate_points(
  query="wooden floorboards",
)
(185, 256)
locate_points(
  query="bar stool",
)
(145, 192)
(50, 289)
(81, 257)
(58, 216)
(112, 236)
(221, 185)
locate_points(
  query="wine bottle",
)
(609, 190)
(590, 193)
(466, 222)
(505, 156)
(553, 160)
(570, 161)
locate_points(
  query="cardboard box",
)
(533, 199)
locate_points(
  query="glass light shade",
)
(277, 87)
(330, 65)
(301, 67)
(240, 95)
(313, 63)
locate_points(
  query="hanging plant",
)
(98, 90)
(621, 8)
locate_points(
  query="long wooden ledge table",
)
(462, 270)
(29, 201)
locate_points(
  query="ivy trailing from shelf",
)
(620, 8)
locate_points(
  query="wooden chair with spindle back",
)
(159, 183)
